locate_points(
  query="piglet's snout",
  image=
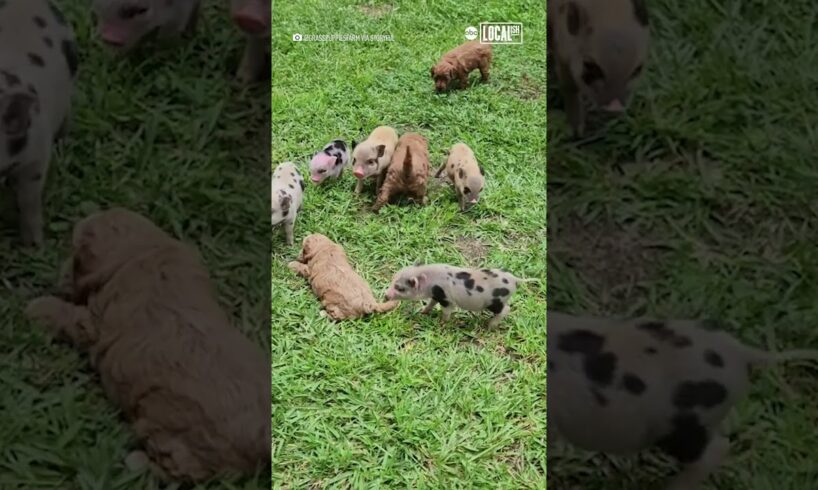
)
(315, 178)
(390, 294)
(111, 35)
(358, 172)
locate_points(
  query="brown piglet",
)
(408, 172)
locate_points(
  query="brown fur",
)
(459, 62)
(340, 289)
(408, 172)
(195, 390)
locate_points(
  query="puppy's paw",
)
(48, 311)
(137, 461)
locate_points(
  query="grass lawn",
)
(167, 133)
(701, 203)
(399, 400)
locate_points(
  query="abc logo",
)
(471, 33)
(297, 37)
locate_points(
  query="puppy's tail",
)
(385, 307)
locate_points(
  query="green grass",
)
(399, 400)
(167, 133)
(701, 203)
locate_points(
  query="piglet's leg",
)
(359, 186)
(253, 60)
(696, 473)
(429, 307)
(29, 188)
(64, 319)
(499, 317)
(447, 313)
(288, 232)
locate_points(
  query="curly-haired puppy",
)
(408, 172)
(459, 62)
(340, 289)
(142, 305)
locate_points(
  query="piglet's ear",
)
(381, 149)
(17, 114)
(354, 144)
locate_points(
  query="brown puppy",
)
(459, 62)
(408, 172)
(340, 289)
(195, 390)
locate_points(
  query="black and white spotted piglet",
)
(287, 196)
(38, 65)
(621, 386)
(329, 162)
(450, 286)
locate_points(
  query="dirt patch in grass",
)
(612, 260)
(376, 11)
(529, 89)
(473, 249)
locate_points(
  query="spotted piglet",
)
(329, 162)
(450, 286)
(622, 386)
(253, 18)
(287, 196)
(38, 65)
(123, 24)
(465, 173)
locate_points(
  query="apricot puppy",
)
(459, 62)
(408, 172)
(343, 293)
(142, 305)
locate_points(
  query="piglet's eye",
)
(132, 11)
(591, 72)
(322, 171)
(467, 190)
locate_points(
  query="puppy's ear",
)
(285, 202)
(17, 114)
(381, 149)
(467, 190)
(354, 144)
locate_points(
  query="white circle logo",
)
(471, 33)
(296, 37)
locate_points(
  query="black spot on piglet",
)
(713, 358)
(500, 292)
(705, 394)
(496, 306)
(439, 295)
(687, 440)
(633, 384)
(69, 50)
